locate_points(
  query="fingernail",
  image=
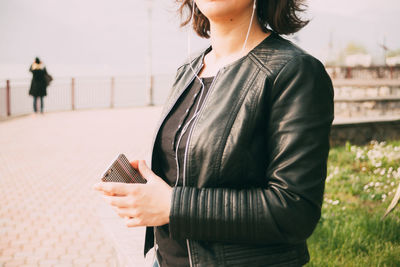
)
(97, 186)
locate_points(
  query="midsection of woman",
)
(252, 167)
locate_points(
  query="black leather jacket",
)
(255, 163)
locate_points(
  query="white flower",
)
(396, 174)
(335, 202)
(336, 171)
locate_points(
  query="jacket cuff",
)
(177, 214)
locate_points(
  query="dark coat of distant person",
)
(39, 83)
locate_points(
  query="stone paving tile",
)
(49, 214)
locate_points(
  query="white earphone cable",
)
(197, 110)
(251, 22)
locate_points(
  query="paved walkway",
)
(49, 214)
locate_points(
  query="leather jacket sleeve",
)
(300, 100)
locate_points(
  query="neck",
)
(228, 36)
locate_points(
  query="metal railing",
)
(84, 93)
(130, 91)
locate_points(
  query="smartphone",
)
(121, 171)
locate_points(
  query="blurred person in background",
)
(40, 80)
(240, 156)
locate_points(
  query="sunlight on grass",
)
(360, 184)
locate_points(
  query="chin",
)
(222, 9)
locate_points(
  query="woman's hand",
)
(143, 204)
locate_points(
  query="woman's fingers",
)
(145, 204)
(146, 172)
(134, 222)
(112, 189)
(120, 202)
(135, 164)
(127, 213)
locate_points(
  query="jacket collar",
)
(197, 62)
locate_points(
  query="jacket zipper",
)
(189, 254)
(191, 128)
(186, 151)
(171, 107)
(161, 122)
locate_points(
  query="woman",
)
(239, 158)
(39, 83)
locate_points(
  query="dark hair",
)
(279, 15)
(37, 60)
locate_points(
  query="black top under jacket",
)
(174, 252)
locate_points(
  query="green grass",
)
(360, 185)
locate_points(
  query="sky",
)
(366, 22)
(103, 37)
